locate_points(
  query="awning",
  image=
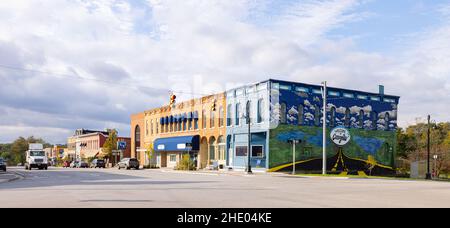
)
(161, 121)
(177, 143)
(195, 114)
(189, 116)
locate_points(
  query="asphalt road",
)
(58, 187)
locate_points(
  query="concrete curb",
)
(206, 173)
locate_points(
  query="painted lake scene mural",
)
(366, 124)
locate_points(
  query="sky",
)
(69, 64)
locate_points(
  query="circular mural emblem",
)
(340, 136)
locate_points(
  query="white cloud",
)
(126, 49)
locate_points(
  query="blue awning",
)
(195, 115)
(161, 121)
(166, 120)
(177, 143)
(189, 115)
(175, 119)
(184, 117)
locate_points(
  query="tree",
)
(150, 152)
(110, 144)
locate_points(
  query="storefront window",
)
(241, 151)
(257, 151)
(173, 158)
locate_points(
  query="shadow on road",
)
(84, 178)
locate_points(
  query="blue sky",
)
(68, 64)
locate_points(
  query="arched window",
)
(333, 116)
(248, 111)
(212, 149)
(151, 127)
(229, 115)
(361, 118)
(157, 126)
(204, 119)
(301, 111)
(137, 139)
(212, 119)
(146, 127)
(260, 110)
(316, 115)
(221, 116)
(238, 114)
(283, 118)
(374, 120)
(347, 117)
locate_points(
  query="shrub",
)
(186, 163)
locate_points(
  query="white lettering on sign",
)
(181, 146)
(340, 136)
(161, 147)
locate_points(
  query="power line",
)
(77, 77)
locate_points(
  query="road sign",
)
(121, 145)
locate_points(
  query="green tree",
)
(110, 144)
(150, 152)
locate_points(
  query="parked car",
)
(82, 164)
(73, 164)
(66, 164)
(128, 163)
(98, 163)
(2, 165)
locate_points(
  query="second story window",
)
(260, 110)
(212, 119)
(229, 115)
(238, 114)
(221, 116)
(204, 119)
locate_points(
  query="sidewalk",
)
(219, 172)
(9, 176)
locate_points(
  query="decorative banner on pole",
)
(340, 136)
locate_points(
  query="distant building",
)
(360, 129)
(86, 144)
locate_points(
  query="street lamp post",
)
(428, 175)
(435, 157)
(324, 130)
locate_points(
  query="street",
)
(58, 187)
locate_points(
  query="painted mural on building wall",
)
(371, 124)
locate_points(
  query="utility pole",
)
(324, 139)
(428, 175)
(293, 155)
(249, 166)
